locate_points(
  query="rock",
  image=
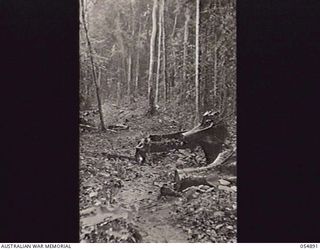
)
(225, 188)
(213, 239)
(234, 188)
(98, 203)
(191, 194)
(230, 227)
(218, 214)
(218, 226)
(200, 209)
(211, 232)
(232, 178)
(224, 182)
(106, 175)
(210, 190)
(204, 187)
(93, 194)
(180, 162)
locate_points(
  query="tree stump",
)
(187, 177)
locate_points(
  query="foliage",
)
(114, 32)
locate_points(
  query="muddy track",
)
(135, 200)
(152, 216)
(140, 195)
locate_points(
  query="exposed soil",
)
(120, 200)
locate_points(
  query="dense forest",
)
(164, 69)
(175, 53)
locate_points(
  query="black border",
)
(39, 103)
(278, 135)
(278, 138)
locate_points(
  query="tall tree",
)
(159, 52)
(138, 60)
(129, 76)
(121, 34)
(215, 67)
(123, 50)
(102, 125)
(197, 65)
(184, 85)
(164, 64)
(151, 98)
(130, 52)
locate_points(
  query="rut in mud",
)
(120, 200)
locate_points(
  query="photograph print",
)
(158, 121)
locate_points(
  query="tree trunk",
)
(183, 181)
(152, 106)
(197, 83)
(129, 78)
(137, 74)
(87, 96)
(118, 93)
(187, 177)
(130, 52)
(221, 159)
(99, 96)
(173, 73)
(215, 73)
(142, 73)
(185, 53)
(102, 125)
(159, 52)
(138, 62)
(224, 94)
(174, 25)
(119, 83)
(122, 48)
(164, 65)
(173, 55)
(205, 82)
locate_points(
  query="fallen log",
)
(85, 126)
(187, 177)
(177, 136)
(184, 181)
(222, 158)
(210, 135)
(146, 146)
(118, 127)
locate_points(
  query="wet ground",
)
(119, 199)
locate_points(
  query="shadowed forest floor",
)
(119, 199)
